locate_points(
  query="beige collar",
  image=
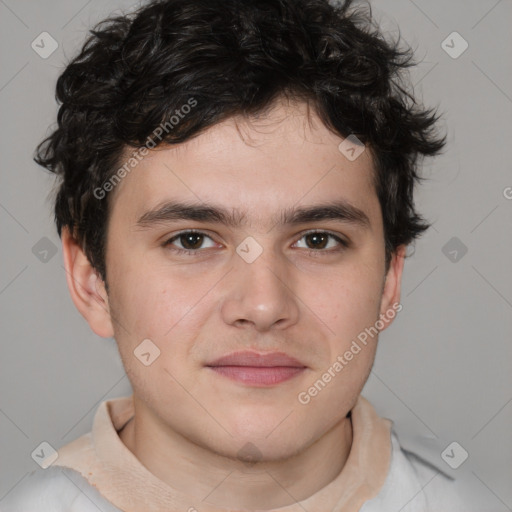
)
(103, 459)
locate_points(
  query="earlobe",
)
(87, 289)
(392, 287)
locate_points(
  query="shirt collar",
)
(103, 459)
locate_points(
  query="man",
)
(235, 202)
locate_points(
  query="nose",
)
(260, 293)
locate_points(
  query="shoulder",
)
(55, 489)
(418, 484)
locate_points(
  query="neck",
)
(228, 482)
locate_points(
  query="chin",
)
(273, 443)
(251, 450)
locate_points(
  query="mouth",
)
(255, 369)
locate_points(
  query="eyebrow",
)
(170, 211)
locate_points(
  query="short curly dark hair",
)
(234, 57)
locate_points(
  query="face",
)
(248, 269)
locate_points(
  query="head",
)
(228, 118)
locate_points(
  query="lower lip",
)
(258, 376)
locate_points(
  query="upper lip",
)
(256, 359)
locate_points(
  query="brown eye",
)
(317, 240)
(189, 242)
(323, 241)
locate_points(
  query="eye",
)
(190, 241)
(323, 241)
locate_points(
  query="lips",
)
(257, 369)
(255, 359)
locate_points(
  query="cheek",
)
(152, 304)
(348, 301)
(163, 308)
(349, 308)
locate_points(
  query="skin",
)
(190, 423)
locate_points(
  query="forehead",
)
(255, 167)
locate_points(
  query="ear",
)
(390, 299)
(86, 287)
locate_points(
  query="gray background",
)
(443, 369)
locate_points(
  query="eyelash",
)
(313, 252)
